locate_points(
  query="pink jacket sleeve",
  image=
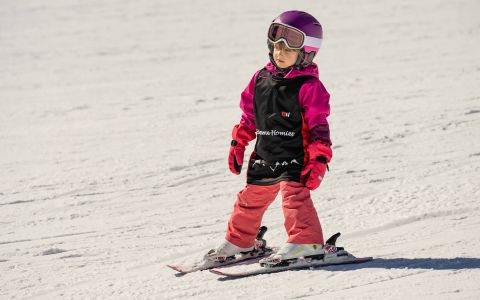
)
(246, 104)
(314, 100)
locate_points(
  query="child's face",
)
(284, 57)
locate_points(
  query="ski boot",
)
(291, 253)
(228, 251)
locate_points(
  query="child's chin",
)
(282, 66)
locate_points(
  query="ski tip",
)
(176, 268)
(226, 276)
(215, 271)
(180, 272)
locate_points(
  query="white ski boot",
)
(291, 253)
(227, 251)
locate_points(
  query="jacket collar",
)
(310, 70)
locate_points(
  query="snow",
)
(115, 127)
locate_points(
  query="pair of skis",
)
(247, 264)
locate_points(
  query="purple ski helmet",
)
(299, 30)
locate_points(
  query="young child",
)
(285, 106)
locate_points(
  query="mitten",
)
(318, 155)
(240, 138)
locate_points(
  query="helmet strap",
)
(310, 57)
(301, 56)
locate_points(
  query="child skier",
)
(285, 106)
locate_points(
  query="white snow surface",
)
(115, 127)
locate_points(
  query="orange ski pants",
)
(301, 219)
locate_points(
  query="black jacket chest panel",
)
(278, 119)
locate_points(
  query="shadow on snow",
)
(458, 263)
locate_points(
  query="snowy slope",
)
(115, 125)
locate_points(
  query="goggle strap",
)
(286, 42)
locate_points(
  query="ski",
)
(257, 269)
(260, 251)
(205, 264)
(333, 256)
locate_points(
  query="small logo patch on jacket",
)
(285, 114)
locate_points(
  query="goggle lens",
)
(293, 37)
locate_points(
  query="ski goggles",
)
(294, 38)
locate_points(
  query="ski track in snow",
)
(115, 130)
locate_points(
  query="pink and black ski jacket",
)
(287, 112)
